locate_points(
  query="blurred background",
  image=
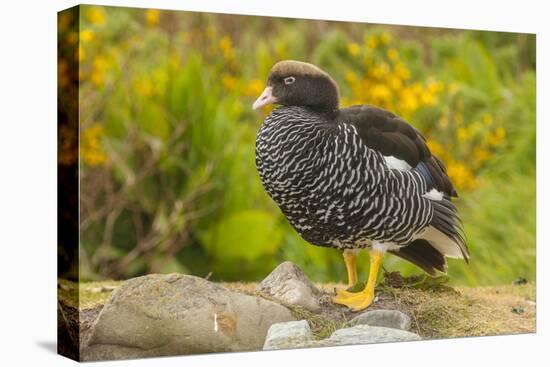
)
(167, 164)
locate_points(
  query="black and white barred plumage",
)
(341, 185)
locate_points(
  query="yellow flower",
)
(87, 35)
(394, 82)
(385, 38)
(462, 134)
(100, 63)
(408, 101)
(393, 55)
(461, 176)
(254, 88)
(353, 48)
(427, 98)
(380, 93)
(97, 78)
(487, 119)
(500, 133)
(226, 45)
(96, 15)
(144, 87)
(379, 71)
(416, 88)
(90, 146)
(435, 86)
(372, 42)
(401, 71)
(435, 147)
(350, 76)
(496, 137)
(99, 66)
(228, 81)
(152, 17)
(345, 101)
(480, 155)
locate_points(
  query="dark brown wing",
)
(389, 134)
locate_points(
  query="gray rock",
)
(365, 334)
(158, 315)
(285, 335)
(288, 284)
(295, 335)
(386, 318)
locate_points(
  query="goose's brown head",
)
(296, 83)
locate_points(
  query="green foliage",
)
(228, 241)
(168, 167)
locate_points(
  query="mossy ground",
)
(437, 311)
(87, 295)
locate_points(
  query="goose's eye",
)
(290, 80)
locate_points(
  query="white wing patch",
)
(383, 247)
(447, 246)
(434, 195)
(396, 163)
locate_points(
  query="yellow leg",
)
(351, 266)
(350, 257)
(361, 300)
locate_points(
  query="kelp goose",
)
(354, 178)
